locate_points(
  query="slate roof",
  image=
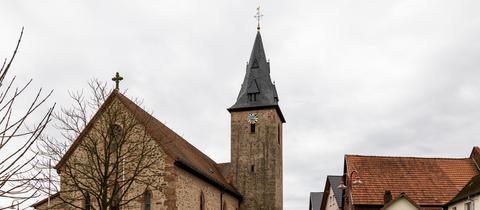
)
(428, 181)
(334, 182)
(184, 154)
(257, 81)
(316, 200)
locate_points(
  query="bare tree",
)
(16, 136)
(105, 156)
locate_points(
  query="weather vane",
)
(258, 16)
(117, 80)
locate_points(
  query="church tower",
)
(256, 137)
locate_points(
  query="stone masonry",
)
(256, 159)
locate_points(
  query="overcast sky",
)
(397, 78)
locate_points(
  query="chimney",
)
(387, 197)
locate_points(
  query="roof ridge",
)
(224, 163)
(410, 157)
(213, 171)
(89, 124)
(40, 202)
(408, 174)
(163, 125)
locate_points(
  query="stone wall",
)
(256, 159)
(189, 189)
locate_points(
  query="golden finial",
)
(258, 16)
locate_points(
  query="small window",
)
(255, 64)
(117, 196)
(115, 133)
(279, 133)
(469, 206)
(252, 97)
(202, 201)
(147, 200)
(252, 128)
(252, 168)
(88, 203)
(454, 208)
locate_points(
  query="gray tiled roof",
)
(334, 182)
(257, 81)
(316, 200)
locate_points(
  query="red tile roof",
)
(174, 145)
(427, 181)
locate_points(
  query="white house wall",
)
(331, 201)
(401, 204)
(461, 205)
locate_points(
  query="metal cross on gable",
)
(258, 16)
(117, 80)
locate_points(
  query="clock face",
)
(252, 118)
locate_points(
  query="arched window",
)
(147, 200)
(87, 203)
(115, 134)
(202, 201)
(117, 196)
(224, 207)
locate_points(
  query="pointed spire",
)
(257, 90)
(257, 57)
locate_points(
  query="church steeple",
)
(257, 90)
(257, 137)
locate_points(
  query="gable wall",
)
(163, 174)
(331, 201)
(401, 204)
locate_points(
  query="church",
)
(182, 177)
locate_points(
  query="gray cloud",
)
(377, 77)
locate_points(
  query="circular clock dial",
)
(252, 118)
